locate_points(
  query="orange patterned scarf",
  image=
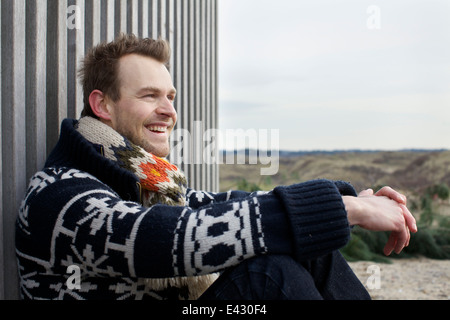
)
(161, 181)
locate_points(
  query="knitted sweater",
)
(84, 210)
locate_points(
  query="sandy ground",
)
(405, 279)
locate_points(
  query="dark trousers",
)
(274, 277)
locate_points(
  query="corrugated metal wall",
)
(41, 43)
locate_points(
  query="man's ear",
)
(99, 105)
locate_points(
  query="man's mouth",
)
(157, 129)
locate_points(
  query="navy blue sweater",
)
(84, 210)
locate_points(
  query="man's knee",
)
(275, 277)
(278, 267)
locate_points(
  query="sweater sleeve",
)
(69, 217)
(317, 216)
(199, 198)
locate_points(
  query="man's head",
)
(127, 85)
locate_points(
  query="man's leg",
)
(273, 277)
(335, 279)
(268, 277)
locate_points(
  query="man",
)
(109, 218)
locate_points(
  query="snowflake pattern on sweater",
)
(97, 231)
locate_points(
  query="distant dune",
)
(410, 171)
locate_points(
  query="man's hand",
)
(383, 211)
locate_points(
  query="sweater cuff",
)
(345, 188)
(317, 217)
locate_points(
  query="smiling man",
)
(109, 205)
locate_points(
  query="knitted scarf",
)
(161, 182)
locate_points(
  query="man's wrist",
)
(353, 207)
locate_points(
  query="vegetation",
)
(423, 176)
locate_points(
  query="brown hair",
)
(99, 70)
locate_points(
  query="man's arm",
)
(198, 198)
(384, 211)
(81, 220)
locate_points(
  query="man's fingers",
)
(397, 241)
(391, 194)
(409, 218)
(402, 240)
(368, 192)
(409, 237)
(390, 245)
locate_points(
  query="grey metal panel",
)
(196, 92)
(154, 22)
(13, 132)
(162, 15)
(36, 86)
(56, 68)
(185, 97)
(170, 32)
(75, 51)
(214, 78)
(107, 19)
(207, 85)
(133, 17)
(203, 93)
(2, 254)
(191, 87)
(93, 23)
(144, 20)
(120, 16)
(41, 46)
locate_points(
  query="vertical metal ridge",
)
(56, 69)
(13, 75)
(36, 86)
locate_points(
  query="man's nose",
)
(166, 107)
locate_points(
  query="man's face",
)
(145, 113)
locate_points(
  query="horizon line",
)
(338, 150)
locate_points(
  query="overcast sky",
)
(337, 74)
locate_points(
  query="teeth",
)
(158, 129)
